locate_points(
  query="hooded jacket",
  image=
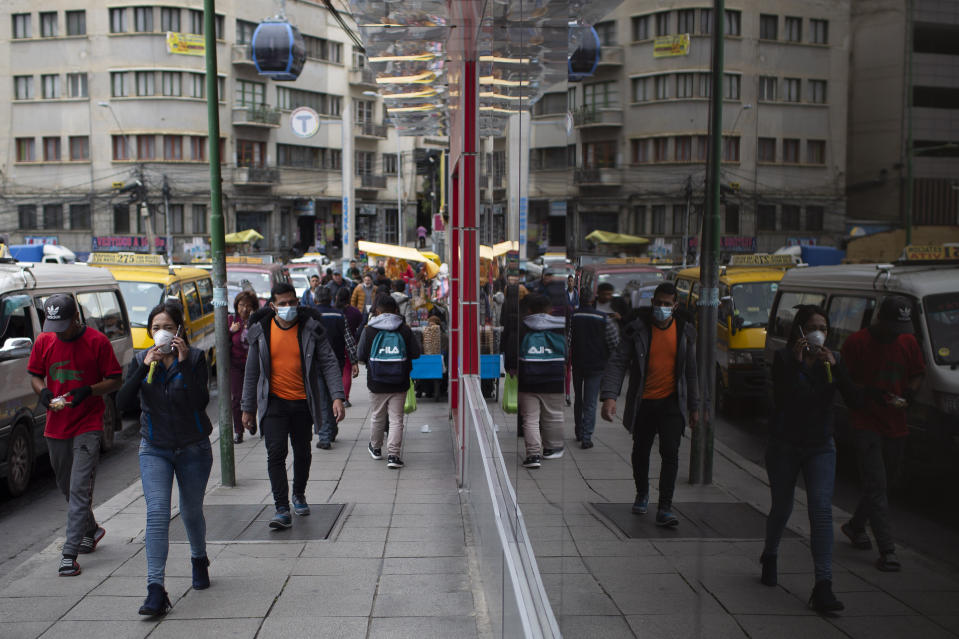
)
(386, 322)
(322, 373)
(403, 301)
(632, 357)
(535, 322)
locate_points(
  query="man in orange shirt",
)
(291, 373)
(658, 350)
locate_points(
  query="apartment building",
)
(633, 157)
(96, 97)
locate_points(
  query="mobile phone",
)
(803, 335)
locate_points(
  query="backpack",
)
(388, 363)
(542, 357)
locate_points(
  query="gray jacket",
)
(321, 370)
(631, 357)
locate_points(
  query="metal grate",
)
(249, 522)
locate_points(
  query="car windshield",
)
(752, 301)
(260, 281)
(942, 320)
(140, 298)
(621, 279)
(300, 282)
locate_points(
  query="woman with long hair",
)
(353, 320)
(168, 384)
(243, 306)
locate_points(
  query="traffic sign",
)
(304, 122)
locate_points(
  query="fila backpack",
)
(388, 362)
(542, 357)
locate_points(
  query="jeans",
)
(586, 387)
(662, 417)
(329, 429)
(191, 465)
(236, 394)
(287, 419)
(818, 465)
(74, 463)
(879, 459)
(347, 377)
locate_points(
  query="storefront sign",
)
(730, 244)
(40, 239)
(671, 46)
(557, 209)
(185, 44)
(136, 243)
(933, 252)
(762, 259)
(132, 259)
(801, 241)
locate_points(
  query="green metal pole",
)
(217, 243)
(909, 176)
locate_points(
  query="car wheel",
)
(19, 460)
(111, 423)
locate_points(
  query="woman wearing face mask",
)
(168, 383)
(244, 305)
(806, 377)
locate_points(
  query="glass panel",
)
(846, 316)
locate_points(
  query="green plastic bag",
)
(410, 404)
(511, 394)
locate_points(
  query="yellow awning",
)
(400, 253)
(608, 237)
(502, 248)
(486, 252)
(240, 237)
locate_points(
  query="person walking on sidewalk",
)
(362, 296)
(658, 350)
(309, 295)
(538, 355)
(291, 372)
(243, 306)
(388, 347)
(71, 368)
(593, 338)
(806, 377)
(167, 383)
(354, 319)
(341, 341)
(886, 361)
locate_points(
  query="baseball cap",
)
(896, 311)
(59, 311)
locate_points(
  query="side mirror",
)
(16, 347)
(725, 307)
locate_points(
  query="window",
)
(303, 157)
(77, 85)
(196, 21)
(323, 49)
(21, 26)
(847, 315)
(363, 111)
(550, 103)
(76, 23)
(196, 85)
(121, 148)
(320, 102)
(814, 218)
(199, 218)
(146, 147)
(244, 31)
(660, 149)
(786, 310)
(793, 29)
(170, 19)
(731, 82)
(768, 27)
(659, 220)
(767, 150)
(218, 26)
(790, 217)
(791, 89)
(121, 218)
(730, 149)
(819, 31)
(601, 95)
(250, 153)
(815, 152)
(52, 216)
(817, 91)
(684, 85)
(79, 148)
(767, 88)
(194, 308)
(732, 219)
(79, 216)
(733, 23)
(686, 21)
(790, 151)
(640, 28)
(662, 23)
(250, 93)
(389, 164)
(48, 24)
(766, 217)
(641, 90)
(639, 219)
(661, 86)
(205, 288)
(143, 19)
(364, 162)
(118, 20)
(640, 151)
(679, 218)
(705, 21)
(702, 148)
(23, 87)
(606, 32)
(119, 85)
(171, 83)
(51, 149)
(27, 214)
(113, 325)
(146, 83)
(26, 150)
(705, 84)
(50, 86)
(683, 145)
(172, 147)
(198, 148)
(176, 219)
(595, 155)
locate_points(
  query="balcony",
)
(370, 130)
(242, 54)
(256, 176)
(598, 117)
(599, 176)
(368, 181)
(257, 116)
(362, 76)
(611, 56)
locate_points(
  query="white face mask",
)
(662, 313)
(286, 313)
(164, 341)
(816, 339)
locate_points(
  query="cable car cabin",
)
(583, 62)
(278, 50)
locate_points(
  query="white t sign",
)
(304, 122)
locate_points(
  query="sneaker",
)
(238, 438)
(569, 402)
(89, 542)
(324, 445)
(300, 507)
(281, 520)
(858, 538)
(666, 519)
(394, 461)
(347, 404)
(69, 567)
(553, 453)
(586, 445)
(888, 562)
(641, 505)
(375, 453)
(822, 599)
(533, 461)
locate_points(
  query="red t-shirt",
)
(885, 366)
(65, 366)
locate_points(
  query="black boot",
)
(770, 577)
(157, 602)
(201, 576)
(822, 599)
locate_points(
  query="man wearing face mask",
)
(72, 367)
(291, 374)
(658, 350)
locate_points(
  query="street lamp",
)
(126, 148)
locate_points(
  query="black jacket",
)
(592, 336)
(173, 406)
(335, 326)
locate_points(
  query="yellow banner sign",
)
(185, 43)
(931, 252)
(239, 259)
(761, 259)
(671, 46)
(134, 259)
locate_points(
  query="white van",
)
(851, 294)
(23, 289)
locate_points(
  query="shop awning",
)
(241, 237)
(608, 237)
(400, 253)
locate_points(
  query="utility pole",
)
(399, 194)
(701, 455)
(909, 111)
(169, 226)
(143, 211)
(689, 203)
(217, 244)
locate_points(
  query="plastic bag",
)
(410, 404)
(510, 394)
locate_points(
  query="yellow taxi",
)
(747, 288)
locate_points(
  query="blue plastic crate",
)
(427, 367)
(490, 366)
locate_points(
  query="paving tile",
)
(442, 548)
(336, 566)
(423, 565)
(549, 565)
(132, 628)
(418, 603)
(789, 626)
(206, 628)
(420, 627)
(685, 624)
(36, 608)
(262, 550)
(427, 533)
(340, 596)
(658, 594)
(649, 564)
(129, 586)
(609, 627)
(23, 629)
(340, 548)
(315, 627)
(874, 603)
(354, 533)
(744, 594)
(890, 627)
(427, 582)
(578, 594)
(106, 608)
(231, 597)
(802, 584)
(41, 585)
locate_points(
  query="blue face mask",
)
(286, 313)
(662, 313)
